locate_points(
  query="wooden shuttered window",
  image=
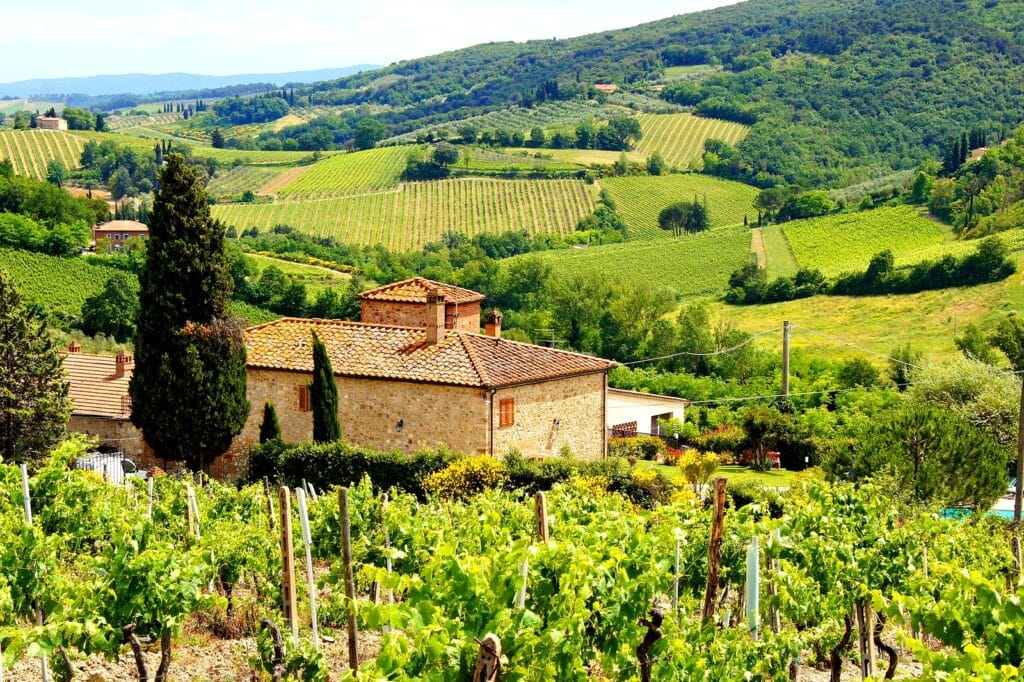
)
(506, 413)
(304, 399)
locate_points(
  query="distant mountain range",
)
(144, 84)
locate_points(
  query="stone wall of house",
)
(370, 411)
(549, 415)
(114, 433)
(465, 317)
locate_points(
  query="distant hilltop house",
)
(51, 123)
(606, 88)
(118, 232)
(414, 372)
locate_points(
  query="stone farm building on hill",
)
(118, 232)
(51, 123)
(431, 384)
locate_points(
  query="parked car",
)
(114, 467)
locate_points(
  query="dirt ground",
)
(213, 661)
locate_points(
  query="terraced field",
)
(371, 169)
(31, 150)
(692, 265)
(640, 199)
(680, 137)
(232, 182)
(412, 214)
(57, 284)
(223, 156)
(846, 242)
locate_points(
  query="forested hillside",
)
(837, 90)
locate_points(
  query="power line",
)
(860, 348)
(724, 351)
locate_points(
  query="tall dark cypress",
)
(189, 386)
(270, 428)
(324, 396)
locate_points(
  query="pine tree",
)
(270, 428)
(324, 396)
(34, 405)
(188, 391)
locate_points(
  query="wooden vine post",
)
(27, 497)
(300, 496)
(715, 551)
(350, 591)
(772, 566)
(541, 504)
(290, 605)
(866, 629)
(488, 659)
(270, 501)
(149, 496)
(653, 634)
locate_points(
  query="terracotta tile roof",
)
(386, 352)
(415, 290)
(95, 388)
(128, 225)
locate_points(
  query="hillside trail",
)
(757, 247)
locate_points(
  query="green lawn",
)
(778, 478)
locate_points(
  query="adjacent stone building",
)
(101, 406)
(431, 384)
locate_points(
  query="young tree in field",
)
(684, 216)
(217, 138)
(369, 131)
(56, 172)
(656, 164)
(188, 390)
(34, 405)
(446, 154)
(324, 396)
(270, 427)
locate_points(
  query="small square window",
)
(305, 404)
(506, 413)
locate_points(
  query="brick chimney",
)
(492, 323)
(435, 316)
(122, 361)
(74, 347)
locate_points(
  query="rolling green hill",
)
(692, 265)
(680, 138)
(412, 214)
(640, 199)
(846, 242)
(836, 90)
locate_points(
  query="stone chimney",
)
(74, 347)
(492, 323)
(435, 316)
(122, 361)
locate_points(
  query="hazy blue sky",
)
(76, 38)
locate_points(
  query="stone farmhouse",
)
(414, 372)
(51, 123)
(427, 377)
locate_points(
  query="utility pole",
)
(785, 359)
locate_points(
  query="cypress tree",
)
(965, 149)
(324, 396)
(34, 405)
(188, 390)
(270, 429)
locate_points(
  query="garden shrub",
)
(727, 438)
(466, 477)
(640, 447)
